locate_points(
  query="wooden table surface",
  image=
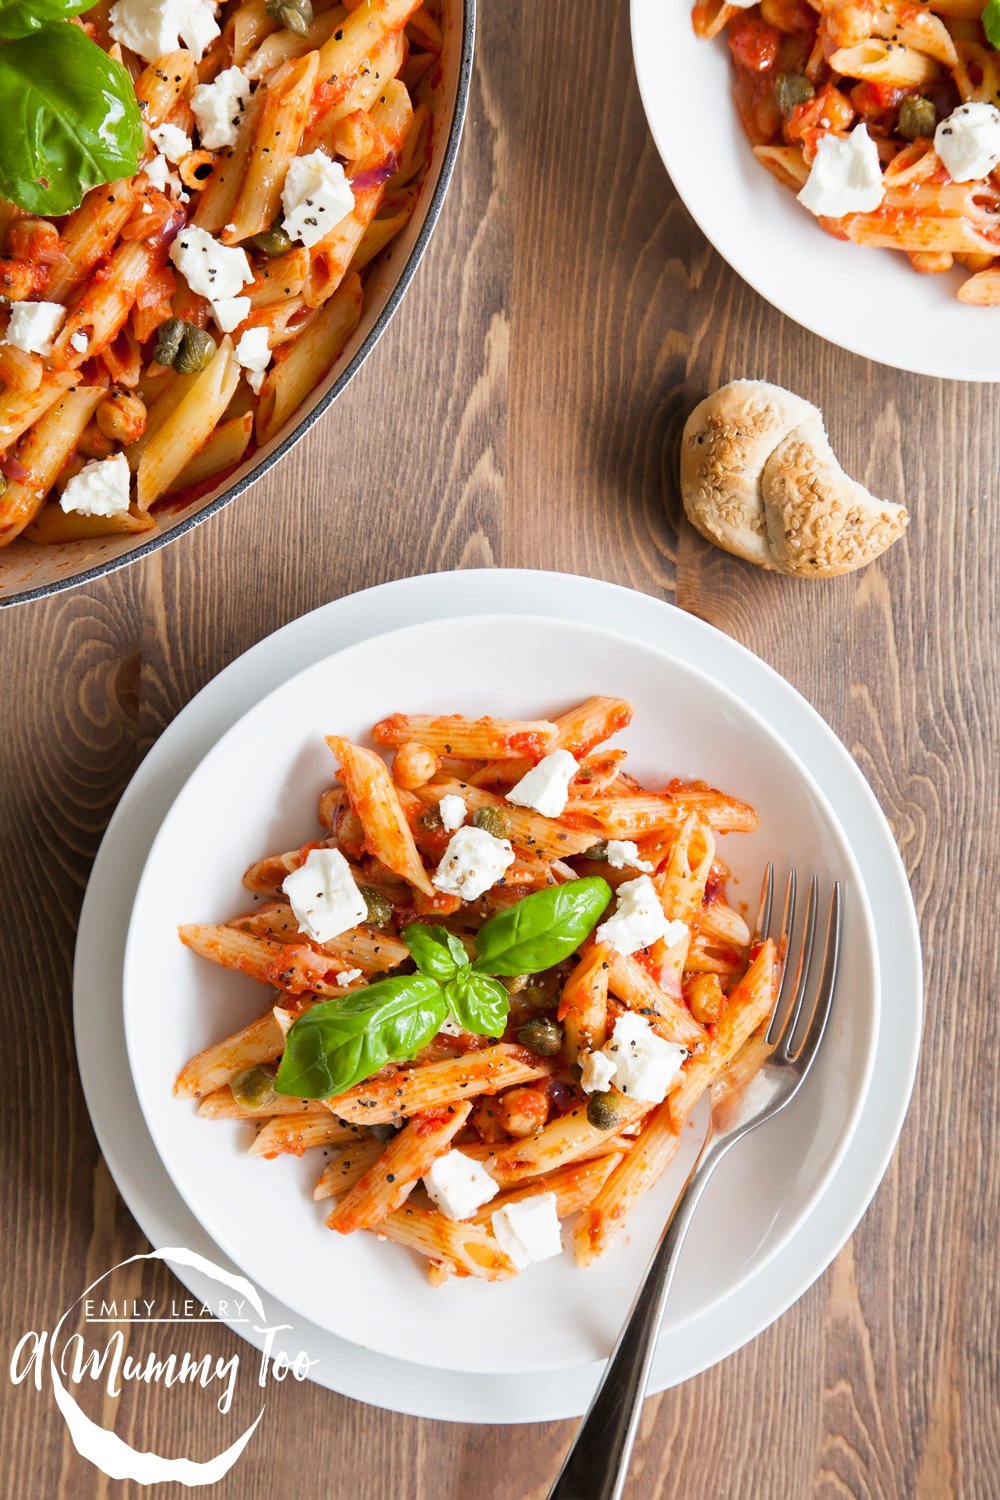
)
(524, 409)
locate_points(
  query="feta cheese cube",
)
(80, 342)
(153, 27)
(623, 852)
(450, 1027)
(254, 354)
(159, 176)
(528, 1230)
(212, 270)
(458, 1185)
(453, 812)
(644, 1064)
(218, 107)
(349, 976)
(171, 141)
(473, 862)
(34, 325)
(596, 1072)
(323, 895)
(968, 141)
(100, 489)
(315, 197)
(230, 312)
(638, 919)
(845, 177)
(546, 786)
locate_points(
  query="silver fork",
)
(596, 1466)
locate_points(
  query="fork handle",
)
(596, 1466)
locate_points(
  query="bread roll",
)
(759, 479)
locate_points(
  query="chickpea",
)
(706, 998)
(122, 417)
(93, 443)
(413, 766)
(524, 1111)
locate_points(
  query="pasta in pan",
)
(495, 1009)
(882, 116)
(151, 337)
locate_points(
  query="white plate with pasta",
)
(257, 793)
(738, 108)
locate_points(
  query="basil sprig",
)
(338, 1043)
(72, 117)
(991, 22)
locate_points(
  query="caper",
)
(542, 1036)
(538, 998)
(379, 912)
(605, 1111)
(383, 1132)
(168, 340)
(596, 851)
(514, 983)
(491, 820)
(197, 348)
(296, 15)
(430, 819)
(273, 241)
(917, 117)
(791, 89)
(253, 1088)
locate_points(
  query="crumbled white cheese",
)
(171, 141)
(80, 342)
(845, 177)
(450, 1027)
(212, 270)
(546, 786)
(453, 811)
(473, 862)
(458, 1185)
(968, 141)
(528, 1230)
(230, 312)
(254, 354)
(623, 852)
(316, 196)
(159, 176)
(349, 976)
(596, 1072)
(323, 896)
(100, 489)
(645, 1064)
(218, 106)
(153, 27)
(638, 919)
(34, 325)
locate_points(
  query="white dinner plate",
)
(256, 793)
(866, 300)
(127, 1145)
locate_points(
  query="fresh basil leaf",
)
(991, 22)
(72, 120)
(541, 930)
(22, 17)
(338, 1043)
(478, 1003)
(435, 951)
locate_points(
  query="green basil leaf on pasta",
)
(478, 1003)
(22, 17)
(991, 22)
(435, 951)
(541, 930)
(339, 1043)
(73, 120)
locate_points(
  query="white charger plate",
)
(869, 301)
(127, 1145)
(256, 793)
